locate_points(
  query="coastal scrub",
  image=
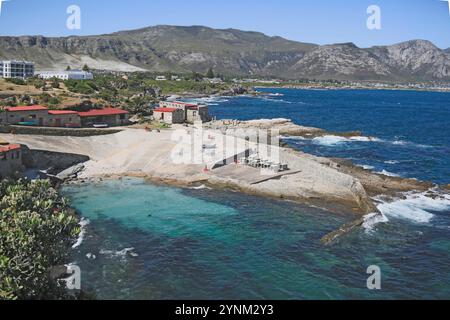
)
(37, 229)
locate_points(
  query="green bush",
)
(16, 81)
(37, 231)
(81, 86)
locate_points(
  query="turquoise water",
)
(152, 242)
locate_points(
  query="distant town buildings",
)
(43, 117)
(66, 75)
(181, 112)
(10, 159)
(161, 78)
(16, 69)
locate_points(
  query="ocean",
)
(143, 241)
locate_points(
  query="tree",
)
(197, 76)
(68, 68)
(86, 68)
(55, 83)
(210, 73)
(37, 231)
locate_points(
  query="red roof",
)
(58, 112)
(166, 110)
(9, 147)
(26, 108)
(102, 112)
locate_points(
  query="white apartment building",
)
(66, 75)
(16, 69)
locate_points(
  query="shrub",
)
(37, 230)
(16, 81)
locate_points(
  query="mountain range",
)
(231, 52)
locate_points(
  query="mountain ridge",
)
(166, 48)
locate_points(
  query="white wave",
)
(392, 162)
(209, 100)
(83, 224)
(365, 139)
(202, 187)
(294, 138)
(91, 256)
(331, 140)
(417, 207)
(366, 166)
(372, 219)
(121, 253)
(387, 173)
(409, 143)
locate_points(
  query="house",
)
(26, 115)
(63, 118)
(10, 160)
(108, 116)
(192, 112)
(66, 75)
(43, 117)
(161, 78)
(169, 115)
(16, 69)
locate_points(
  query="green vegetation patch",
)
(38, 229)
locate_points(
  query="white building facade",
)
(16, 69)
(66, 75)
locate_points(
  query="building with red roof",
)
(42, 116)
(169, 115)
(26, 108)
(106, 116)
(10, 160)
(192, 112)
(26, 115)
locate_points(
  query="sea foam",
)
(331, 140)
(416, 207)
(83, 224)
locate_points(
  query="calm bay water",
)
(152, 242)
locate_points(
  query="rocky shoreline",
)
(333, 184)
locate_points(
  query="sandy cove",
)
(332, 184)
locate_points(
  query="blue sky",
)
(317, 21)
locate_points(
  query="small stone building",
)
(64, 118)
(192, 112)
(197, 113)
(169, 115)
(108, 116)
(43, 117)
(30, 115)
(10, 160)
